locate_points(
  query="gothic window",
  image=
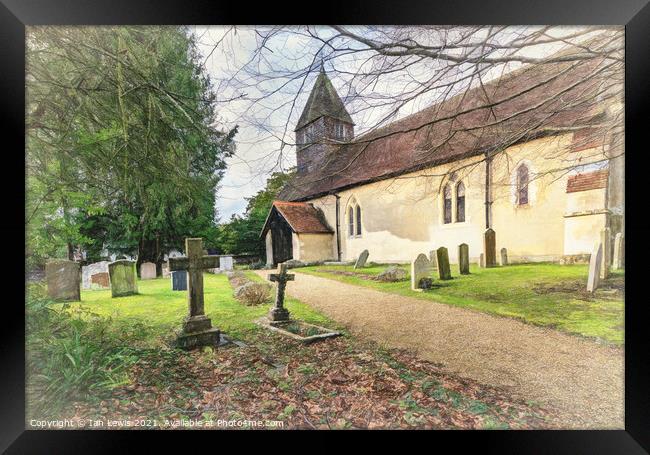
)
(358, 220)
(460, 202)
(447, 204)
(522, 185)
(339, 131)
(351, 221)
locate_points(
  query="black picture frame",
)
(634, 14)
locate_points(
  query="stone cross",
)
(490, 248)
(463, 258)
(619, 251)
(279, 312)
(197, 327)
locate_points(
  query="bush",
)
(425, 283)
(237, 278)
(257, 265)
(253, 293)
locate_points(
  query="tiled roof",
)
(323, 101)
(587, 181)
(531, 102)
(302, 217)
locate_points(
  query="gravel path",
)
(582, 379)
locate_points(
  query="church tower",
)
(323, 123)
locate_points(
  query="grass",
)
(548, 295)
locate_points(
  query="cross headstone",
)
(361, 261)
(197, 327)
(619, 251)
(504, 256)
(179, 280)
(443, 264)
(606, 242)
(595, 262)
(420, 268)
(433, 258)
(123, 278)
(490, 248)
(481, 260)
(63, 280)
(279, 312)
(147, 271)
(463, 258)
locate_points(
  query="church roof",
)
(531, 102)
(323, 101)
(587, 181)
(303, 218)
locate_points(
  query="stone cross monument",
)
(279, 312)
(197, 327)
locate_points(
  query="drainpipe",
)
(488, 192)
(338, 224)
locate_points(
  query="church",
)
(524, 155)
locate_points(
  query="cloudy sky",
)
(266, 109)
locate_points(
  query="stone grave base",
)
(210, 337)
(298, 330)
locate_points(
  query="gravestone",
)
(463, 258)
(226, 263)
(124, 280)
(197, 327)
(490, 248)
(433, 258)
(165, 270)
(504, 256)
(279, 312)
(101, 279)
(147, 271)
(595, 262)
(420, 268)
(619, 251)
(443, 264)
(361, 261)
(606, 242)
(89, 270)
(179, 280)
(481, 260)
(63, 280)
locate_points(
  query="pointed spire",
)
(323, 101)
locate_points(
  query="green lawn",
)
(162, 310)
(549, 295)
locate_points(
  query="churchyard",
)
(545, 294)
(112, 359)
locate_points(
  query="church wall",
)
(314, 247)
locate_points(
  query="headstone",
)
(89, 270)
(595, 262)
(63, 280)
(443, 264)
(279, 312)
(147, 271)
(124, 280)
(179, 280)
(433, 258)
(361, 260)
(420, 268)
(619, 251)
(165, 270)
(490, 248)
(101, 279)
(504, 256)
(225, 263)
(463, 258)
(197, 327)
(606, 242)
(481, 260)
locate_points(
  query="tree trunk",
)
(149, 251)
(70, 252)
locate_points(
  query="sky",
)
(265, 123)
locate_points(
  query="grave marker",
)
(101, 279)
(179, 280)
(504, 256)
(147, 271)
(463, 258)
(481, 260)
(433, 258)
(490, 248)
(279, 312)
(619, 251)
(420, 268)
(606, 242)
(63, 280)
(443, 264)
(225, 263)
(595, 262)
(123, 278)
(361, 261)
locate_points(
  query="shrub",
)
(257, 265)
(253, 293)
(425, 283)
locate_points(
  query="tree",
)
(122, 152)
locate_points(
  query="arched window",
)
(522, 185)
(358, 220)
(447, 204)
(351, 221)
(460, 202)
